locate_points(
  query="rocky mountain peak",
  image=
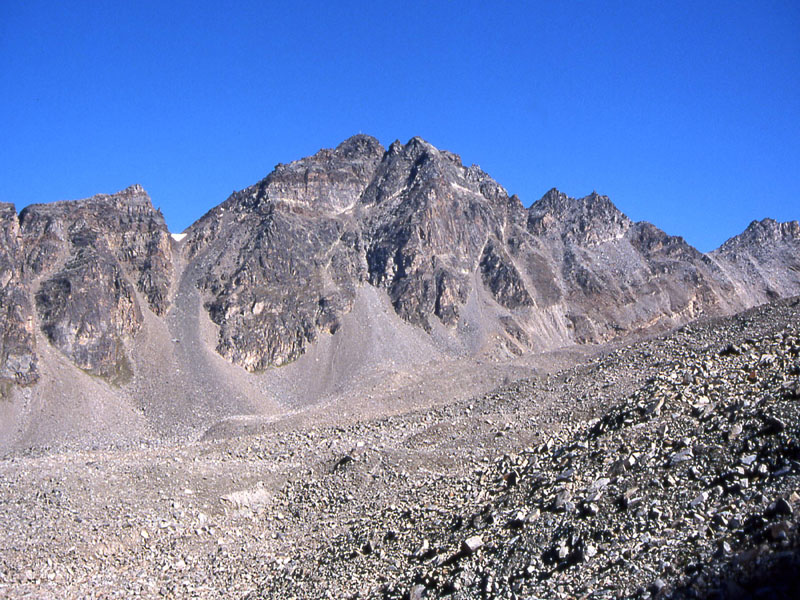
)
(330, 180)
(87, 258)
(418, 151)
(282, 262)
(288, 254)
(134, 190)
(554, 197)
(419, 164)
(762, 232)
(766, 256)
(590, 220)
(360, 145)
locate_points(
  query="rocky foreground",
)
(667, 468)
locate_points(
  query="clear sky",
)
(687, 114)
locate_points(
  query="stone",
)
(471, 544)
(749, 459)
(561, 500)
(782, 507)
(681, 456)
(423, 550)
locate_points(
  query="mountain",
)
(456, 255)
(349, 269)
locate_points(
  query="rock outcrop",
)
(279, 261)
(763, 260)
(84, 261)
(427, 219)
(18, 359)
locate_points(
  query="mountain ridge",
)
(278, 265)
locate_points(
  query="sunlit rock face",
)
(18, 359)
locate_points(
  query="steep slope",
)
(428, 220)
(459, 258)
(281, 260)
(621, 277)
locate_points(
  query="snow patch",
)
(178, 236)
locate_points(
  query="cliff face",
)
(18, 360)
(84, 261)
(124, 225)
(429, 220)
(763, 260)
(279, 263)
(619, 277)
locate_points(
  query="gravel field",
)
(664, 468)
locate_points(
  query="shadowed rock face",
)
(83, 262)
(427, 219)
(502, 278)
(18, 360)
(87, 309)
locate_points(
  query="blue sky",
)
(687, 114)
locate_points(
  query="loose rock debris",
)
(666, 469)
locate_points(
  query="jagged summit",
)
(360, 144)
(414, 221)
(133, 196)
(132, 190)
(763, 259)
(762, 232)
(592, 219)
(85, 259)
(331, 179)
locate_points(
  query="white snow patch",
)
(178, 236)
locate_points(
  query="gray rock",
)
(18, 357)
(681, 456)
(471, 544)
